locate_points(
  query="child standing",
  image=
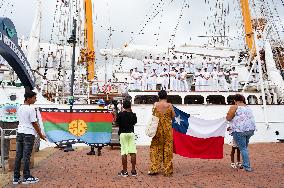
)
(126, 121)
(238, 164)
(27, 130)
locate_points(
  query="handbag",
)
(152, 125)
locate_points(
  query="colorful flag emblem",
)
(89, 126)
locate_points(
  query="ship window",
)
(252, 99)
(230, 99)
(215, 99)
(193, 99)
(146, 99)
(174, 99)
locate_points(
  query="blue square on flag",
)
(180, 121)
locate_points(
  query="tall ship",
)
(201, 79)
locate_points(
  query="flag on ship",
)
(89, 126)
(198, 138)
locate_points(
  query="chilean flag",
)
(198, 138)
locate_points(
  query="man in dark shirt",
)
(126, 121)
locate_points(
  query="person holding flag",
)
(161, 149)
(243, 127)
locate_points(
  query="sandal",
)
(152, 173)
(233, 165)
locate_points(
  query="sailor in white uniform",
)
(153, 78)
(178, 83)
(198, 80)
(146, 62)
(222, 81)
(41, 58)
(95, 88)
(136, 75)
(165, 79)
(214, 76)
(184, 85)
(125, 87)
(204, 62)
(234, 79)
(49, 61)
(206, 80)
(144, 80)
(209, 65)
(131, 80)
(172, 75)
(156, 64)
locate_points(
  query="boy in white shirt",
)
(27, 130)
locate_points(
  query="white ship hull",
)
(263, 133)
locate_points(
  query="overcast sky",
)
(127, 17)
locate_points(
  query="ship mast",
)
(88, 54)
(248, 25)
(34, 40)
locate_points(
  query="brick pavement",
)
(76, 169)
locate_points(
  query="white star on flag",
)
(178, 120)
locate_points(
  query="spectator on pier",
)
(161, 148)
(243, 127)
(27, 130)
(126, 121)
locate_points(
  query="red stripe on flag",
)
(192, 147)
(65, 117)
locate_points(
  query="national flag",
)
(92, 127)
(198, 138)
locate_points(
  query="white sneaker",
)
(30, 180)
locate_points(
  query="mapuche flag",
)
(198, 138)
(89, 126)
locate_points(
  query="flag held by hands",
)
(198, 138)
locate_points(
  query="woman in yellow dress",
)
(161, 149)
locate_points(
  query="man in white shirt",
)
(206, 80)
(131, 80)
(27, 130)
(156, 64)
(146, 62)
(125, 87)
(153, 78)
(172, 75)
(198, 80)
(41, 58)
(95, 88)
(234, 79)
(222, 81)
(184, 85)
(165, 79)
(210, 65)
(177, 80)
(136, 77)
(144, 80)
(214, 76)
(204, 62)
